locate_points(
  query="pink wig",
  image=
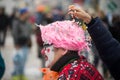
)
(64, 34)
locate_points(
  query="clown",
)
(63, 43)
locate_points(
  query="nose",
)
(43, 51)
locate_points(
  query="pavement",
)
(33, 63)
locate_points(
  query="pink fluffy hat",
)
(64, 34)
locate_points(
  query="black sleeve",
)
(107, 46)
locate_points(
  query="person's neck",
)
(64, 60)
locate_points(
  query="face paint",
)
(49, 55)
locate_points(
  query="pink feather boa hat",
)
(64, 34)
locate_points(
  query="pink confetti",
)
(64, 34)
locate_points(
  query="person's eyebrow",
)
(47, 45)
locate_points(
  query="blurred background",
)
(21, 16)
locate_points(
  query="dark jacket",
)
(4, 22)
(21, 32)
(108, 47)
(2, 66)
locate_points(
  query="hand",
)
(79, 13)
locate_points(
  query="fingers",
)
(74, 11)
(73, 8)
(74, 14)
(79, 13)
(71, 13)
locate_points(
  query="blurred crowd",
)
(22, 23)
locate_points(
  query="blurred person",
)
(4, 22)
(41, 18)
(2, 66)
(40, 14)
(21, 34)
(58, 14)
(115, 28)
(107, 46)
(62, 52)
(32, 19)
(13, 16)
(22, 29)
(48, 18)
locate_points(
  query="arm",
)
(108, 47)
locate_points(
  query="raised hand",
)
(79, 13)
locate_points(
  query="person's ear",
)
(64, 52)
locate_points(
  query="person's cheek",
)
(50, 54)
(48, 50)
